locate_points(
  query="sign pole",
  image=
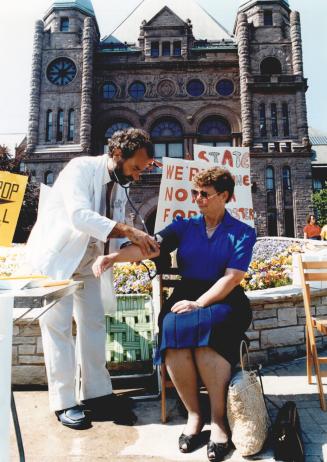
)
(6, 323)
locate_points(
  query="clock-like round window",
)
(225, 87)
(61, 71)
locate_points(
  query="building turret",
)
(62, 78)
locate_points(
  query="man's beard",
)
(118, 174)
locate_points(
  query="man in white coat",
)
(70, 233)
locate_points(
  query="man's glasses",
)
(202, 194)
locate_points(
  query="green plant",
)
(319, 199)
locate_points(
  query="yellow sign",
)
(12, 190)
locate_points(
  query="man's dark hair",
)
(220, 178)
(129, 141)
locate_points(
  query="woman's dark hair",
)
(217, 177)
(129, 141)
(309, 217)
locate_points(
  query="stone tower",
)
(274, 116)
(61, 89)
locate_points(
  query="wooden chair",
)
(312, 271)
(164, 281)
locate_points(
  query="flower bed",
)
(271, 266)
(133, 278)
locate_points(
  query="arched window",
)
(286, 122)
(287, 184)
(267, 18)
(71, 125)
(270, 66)
(154, 49)
(60, 125)
(262, 119)
(49, 178)
(270, 179)
(64, 24)
(48, 128)
(271, 202)
(109, 90)
(274, 122)
(165, 48)
(167, 136)
(114, 127)
(214, 131)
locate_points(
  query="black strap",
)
(109, 189)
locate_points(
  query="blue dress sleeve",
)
(171, 235)
(242, 253)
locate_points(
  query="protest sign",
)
(12, 190)
(176, 184)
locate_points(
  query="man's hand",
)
(147, 243)
(103, 263)
(184, 306)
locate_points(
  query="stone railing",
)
(277, 332)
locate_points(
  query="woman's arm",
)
(216, 293)
(126, 254)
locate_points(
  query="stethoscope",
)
(126, 189)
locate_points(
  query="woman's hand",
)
(103, 263)
(184, 306)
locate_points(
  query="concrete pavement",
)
(46, 440)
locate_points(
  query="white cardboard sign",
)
(176, 184)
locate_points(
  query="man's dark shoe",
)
(74, 417)
(112, 407)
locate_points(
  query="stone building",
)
(176, 72)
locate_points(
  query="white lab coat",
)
(70, 232)
(71, 216)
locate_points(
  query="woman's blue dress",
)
(201, 262)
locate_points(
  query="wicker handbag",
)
(246, 410)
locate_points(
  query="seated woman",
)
(311, 229)
(204, 320)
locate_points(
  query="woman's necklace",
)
(212, 227)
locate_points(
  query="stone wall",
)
(277, 333)
(27, 354)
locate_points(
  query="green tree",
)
(319, 199)
(28, 212)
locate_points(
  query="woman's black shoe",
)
(217, 451)
(187, 443)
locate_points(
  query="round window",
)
(61, 71)
(195, 87)
(109, 90)
(137, 90)
(225, 87)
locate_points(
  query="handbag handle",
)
(244, 345)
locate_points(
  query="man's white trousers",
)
(63, 358)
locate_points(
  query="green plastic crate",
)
(130, 331)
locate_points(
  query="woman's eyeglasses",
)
(202, 194)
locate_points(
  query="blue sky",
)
(16, 39)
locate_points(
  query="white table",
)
(43, 298)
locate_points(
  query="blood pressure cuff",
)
(163, 261)
(168, 243)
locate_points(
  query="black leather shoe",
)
(74, 417)
(217, 451)
(188, 443)
(111, 407)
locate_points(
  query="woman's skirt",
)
(220, 326)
